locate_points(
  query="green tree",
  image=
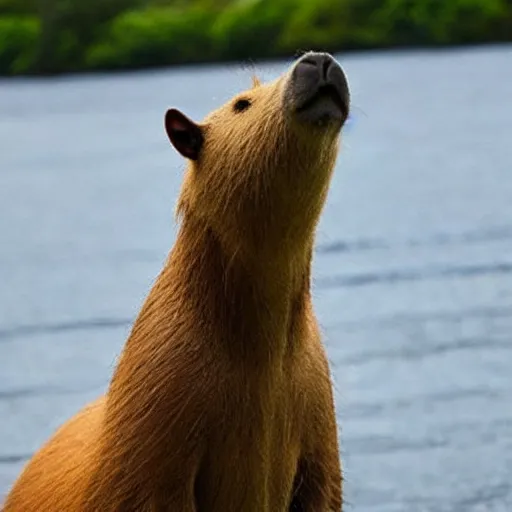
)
(69, 26)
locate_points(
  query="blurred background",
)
(413, 265)
(51, 36)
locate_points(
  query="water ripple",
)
(419, 318)
(14, 458)
(366, 445)
(491, 234)
(29, 392)
(22, 331)
(400, 276)
(417, 352)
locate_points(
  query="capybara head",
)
(260, 165)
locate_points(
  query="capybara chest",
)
(254, 450)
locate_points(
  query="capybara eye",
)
(241, 105)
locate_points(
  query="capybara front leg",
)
(318, 484)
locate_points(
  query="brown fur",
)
(222, 398)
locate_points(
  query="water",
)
(413, 269)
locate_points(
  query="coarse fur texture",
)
(222, 398)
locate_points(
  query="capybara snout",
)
(317, 90)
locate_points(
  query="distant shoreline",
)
(255, 63)
(60, 37)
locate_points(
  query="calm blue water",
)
(413, 270)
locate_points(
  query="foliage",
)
(438, 22)
(250, 29)
(153, 37)
(18, 40)
(51, 36)
(331, 25)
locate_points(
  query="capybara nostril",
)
(321, 61)
(318, 90)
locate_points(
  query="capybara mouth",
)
(326, 94)
(317, 90)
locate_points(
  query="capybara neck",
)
(248, 306)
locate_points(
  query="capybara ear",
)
(185, 135)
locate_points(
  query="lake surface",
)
(413, 269)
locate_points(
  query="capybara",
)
(222, 398)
